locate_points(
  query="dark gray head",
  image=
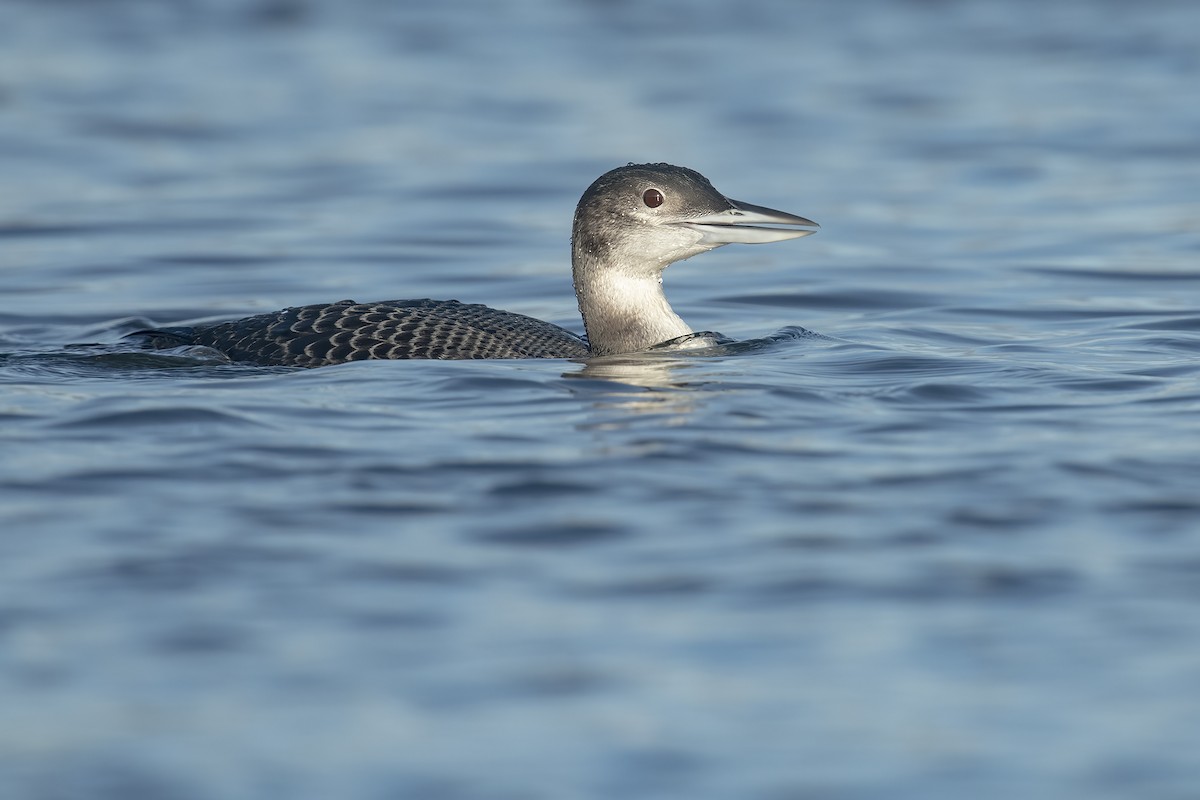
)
(646, 216)
(633, 222)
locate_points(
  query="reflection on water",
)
(669, 371)
(648, 371)
(639, 384)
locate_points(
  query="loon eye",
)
(652, 198)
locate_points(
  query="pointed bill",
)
(745, 223)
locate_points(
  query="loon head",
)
(632, 223)
(643, 217)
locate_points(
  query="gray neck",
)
(623, 311)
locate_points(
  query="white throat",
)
(624, 313)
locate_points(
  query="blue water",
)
(948, 548)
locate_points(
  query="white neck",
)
(624, 313)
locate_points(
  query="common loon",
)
(630, 225)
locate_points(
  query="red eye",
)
(652, 198)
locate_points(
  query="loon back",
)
(324, 334)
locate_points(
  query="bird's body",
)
(630, 224)
(317, 335)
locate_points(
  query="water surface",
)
(949, 547)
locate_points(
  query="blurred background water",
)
(951, 550)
